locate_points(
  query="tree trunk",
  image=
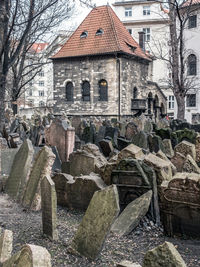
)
(2, 101)
(181, 106)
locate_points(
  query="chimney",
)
(141, 40)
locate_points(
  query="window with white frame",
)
(130, 31)
(128, 11)
(171, 102)
(41, 73)
(147, 34)
(41, 83)
(192, 21)
(41, 93)
(146, 10)
(30, 92)
(191, 100)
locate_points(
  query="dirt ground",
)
(27, 228)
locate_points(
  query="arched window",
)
(192, 65)
(135, 92)
(69, 91)
(103, 90)
(86, 91)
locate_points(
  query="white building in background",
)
(151, 18)
(192, 46)
(39, 91)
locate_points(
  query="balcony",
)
(138, 104)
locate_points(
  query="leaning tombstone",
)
(30, 256)
(41, 167)
(49, 207)
(6, 244)
(15, 184)
(132, 214)
(96, 224)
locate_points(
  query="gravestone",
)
(141, 139)
(106, 147)
(30, 256)
(133, 179)
(132, 214)
(77, 192)
(180, 205)
(168, 148)
(161, 167)
(163, 256)
(96, 223)
(7, 158)
(178, 161)
(16, 182)
(131, 151)
(190, 165)
(49, 208)
(186, 148)
(61, 135)
(131, 130)
(41, 167)
(6, 245)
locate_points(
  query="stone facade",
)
(122, 74)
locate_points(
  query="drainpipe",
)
(119, 87)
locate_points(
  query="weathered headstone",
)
(141, 139)
(179, 205)
(106, 147)
(131, 151)
(162, 167)
(132, 214)
(76, 192)
(168, 148)
(30, 256)
(186, 148)
(49, 208)
(178, 161)
(16, 182)
(6, 245)
(190, 165)
(7, 158)
(61, 135)
(41, 167)
(163, 256)
(96, 223)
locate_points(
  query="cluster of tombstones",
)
(154, 172)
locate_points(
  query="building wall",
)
(127, 72)
(159, 33)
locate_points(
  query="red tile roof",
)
(190, 2)
(115, 37)
(38, 47)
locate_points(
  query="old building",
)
(102, 71)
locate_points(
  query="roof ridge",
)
(113, 27)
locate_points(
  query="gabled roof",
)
(114, 38)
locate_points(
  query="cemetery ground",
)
(27, 228)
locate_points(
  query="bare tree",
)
(179, 13)
(23, 22)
